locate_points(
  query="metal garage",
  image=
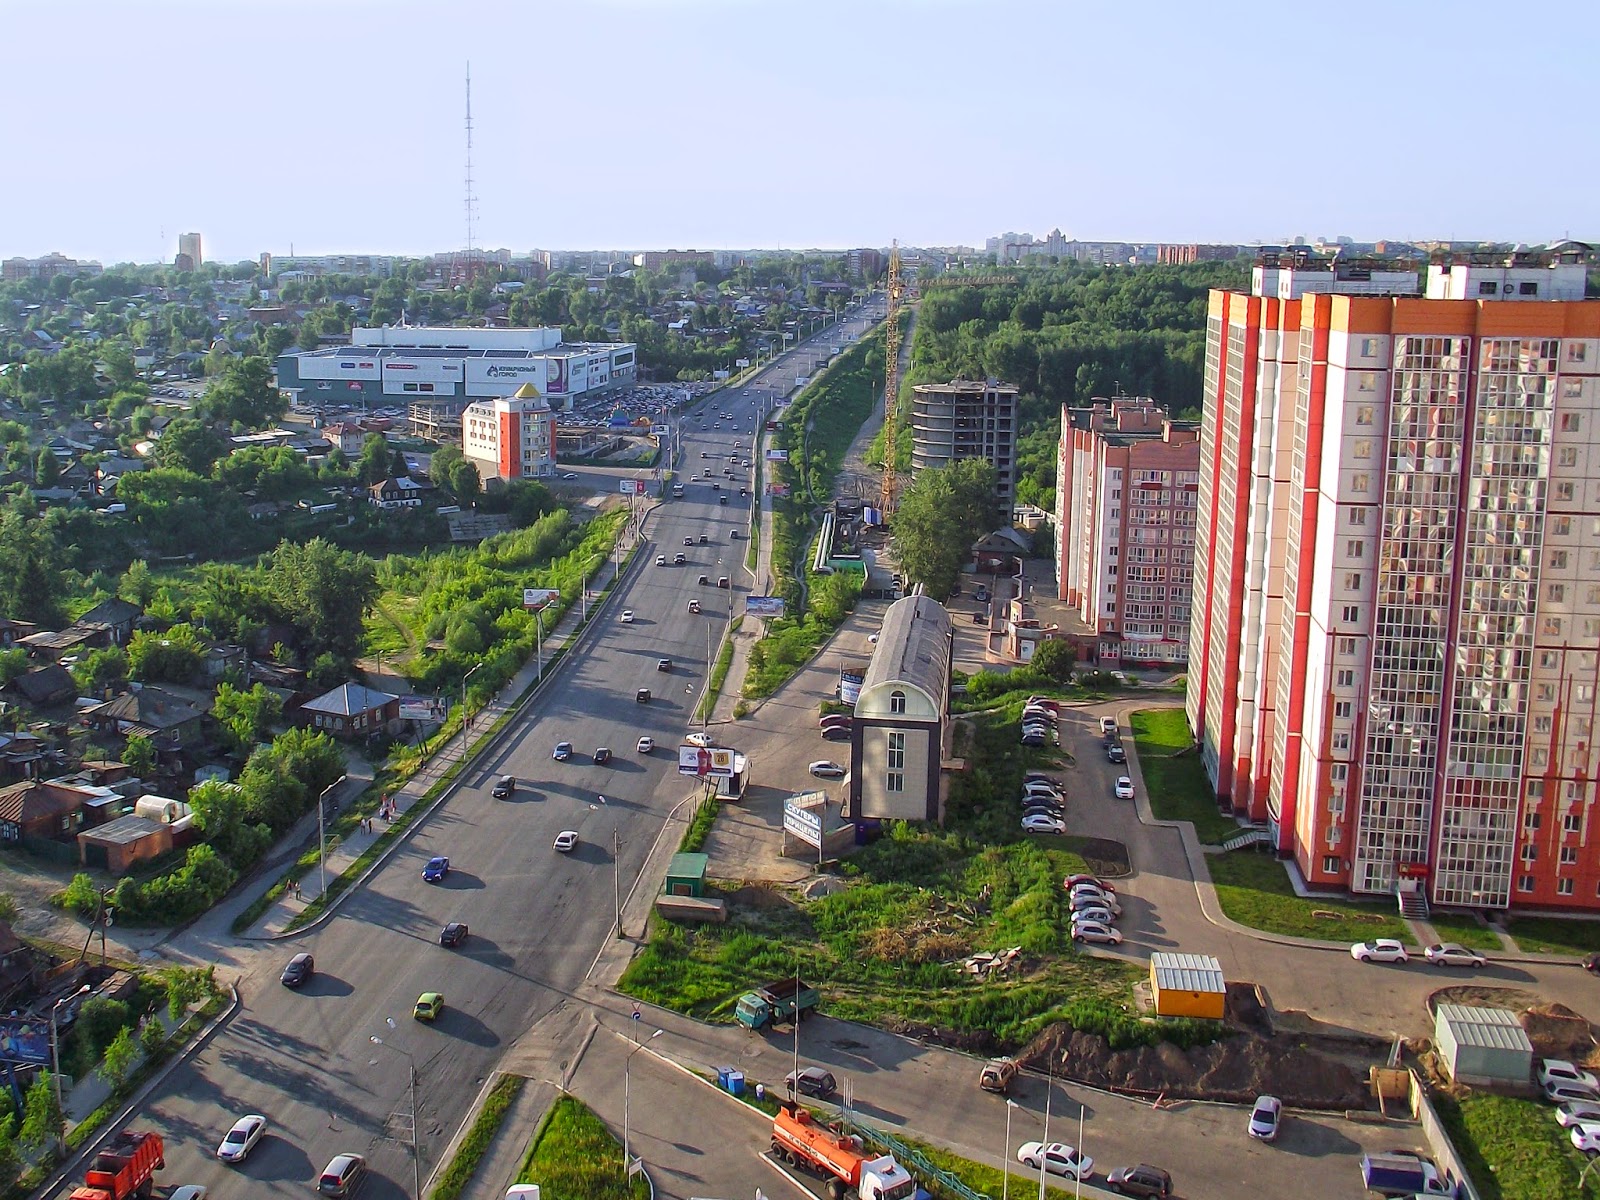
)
(1482, 1045)
(1187, 985)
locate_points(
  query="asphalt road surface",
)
(307, 1059)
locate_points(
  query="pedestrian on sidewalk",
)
(294, 886)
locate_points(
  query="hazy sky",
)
(338, 124)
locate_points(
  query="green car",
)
(429, 1006)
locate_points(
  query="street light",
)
(1005, 1161)
(55, 1062)
(627, 1069)
(411, 1063)
(466, 713)
(322, 837)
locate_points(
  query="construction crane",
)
(891, 379)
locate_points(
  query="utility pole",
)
(322, 836)
(466, 713)
(616, 876)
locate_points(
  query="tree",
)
(46, 468)
(30, 570)
(120, 1057)
(324, 591)
(942, 514)
(41, 1115)
(13, 662)
(245, 718)
(100, 669)
(244, 394)
(176, 656)
(139, 754)
(190, 444)
(137, 585)
(10, 1153)
(1055, 657)
(374, 465)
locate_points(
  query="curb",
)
(135, 1101)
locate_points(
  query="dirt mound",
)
(1235, 1069)
(759, 894)
(976, 1041)
(1105, 857)
(1558, 1032)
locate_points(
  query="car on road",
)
(645, 746)
(642, 696)
(1116, 754)
(681, 560)
(242, 1138)
(569, 475)
(435, 869)
(1124, 788)
(1384, 950)
(1043, 823)
(188, 1191)
(602, 755)
(1578, 1112)
(694, 606)
(661, 560)
(454, 934)
(428, 1006)
(704, 540)
(298, 971)
(688, 541)
(1108, 724)
(1453, 954)
(504, 786)
(1072, 881)
(1143, 1180)
(836, 733)
(627, 616)
(998, 1075)
(1058, 1158)
(1096, 931)
(566, 841)
(343, 1175)
(1556, 1072)
(663, 664)
(563, 751)
(823, 769)
(1266, 1118)
(811, 1081)
(701, 739)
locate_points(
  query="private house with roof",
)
(351, 710)
(169, 721)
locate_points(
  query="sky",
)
(338, 125)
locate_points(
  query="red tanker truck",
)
(800, 1140)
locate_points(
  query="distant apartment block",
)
(510, 438)
(13, 270)
(1177, 255)
(967, 419)
(1396, 614)
(189, 250)
(864, 264)
(655, 260)
(1126, 503)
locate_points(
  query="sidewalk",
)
(343, 853)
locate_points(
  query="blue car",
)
(436, 869)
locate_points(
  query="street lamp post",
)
(1044, 1141)
(322, 836)
(411, 1063)
(627, 1069)
(466, 713)
(1005, 1161)
(55, 1062)
(616, 876)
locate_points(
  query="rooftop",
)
(913, 647)
(1490, 1028)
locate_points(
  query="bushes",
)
(180, 895)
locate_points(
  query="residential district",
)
(444, 698)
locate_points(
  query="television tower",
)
(471, 199)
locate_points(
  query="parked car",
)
(298, 971)
(1096, 931)
(1558, 1071)
(343, 1176)
(998, 1075)
(1116, 754)
(1265, 1118)
(1108, 724)
(1072, 881)
(823, 769)
(1586, 1137)
(627, 616)
(242, 1138)
(1453, 954)
(1088, 891)
(566, 841)
(1576, 1112)
(1038, 787)
(1124, 788)
(1142, 1180)
(1058, 1158)
(811, 1081)
(453, 934)
(602, 755)
(1094, 914)
(645, 746)
(1043, 823)
(563, 751)
(1384, 950)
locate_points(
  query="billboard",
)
(764, 606)
(423, 708)
(338, 367)
(556, 376)
(850, 686)
(777, 456)
(25, 1040)
(423, 370)
(804, 823)
(538, 597)
(719, 374)
(741, 362)
(777, 489)
(705, 760)
(496, 377)
(631, 487)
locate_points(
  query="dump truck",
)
(124, 1168)
(785, 1000)
(839, 1158)
(1397, 1174)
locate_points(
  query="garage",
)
(1483, 1046)
(1187, 985)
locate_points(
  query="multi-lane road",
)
(308, 1060)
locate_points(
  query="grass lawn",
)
(1255, 890)
(574, 1157)
(1554, 935)
(1470, 933)
(1514, 1149)
(1177, 785)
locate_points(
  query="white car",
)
(1453, 954)
(566, 841)
(1555, 1072)
(1095, 931)
(1385, 950)
(1043, 823)
(1108, 724)
(188, 1191)
(1038, 787)
(1088, 892)
(823, 769)
(1094, 914)
(1124, 788)
(627, 616)
(646, 745)
(661, 560)
(1266, 1118)
(1586, 1137)
(1578, 1112)
(700, 739)
(570, 475)
(1058, 1158)
(242, 1138)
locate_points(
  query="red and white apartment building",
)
(1126, 502)
(511, 437)
(1396, 621)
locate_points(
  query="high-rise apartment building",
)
(189, 250)
(967, 419)
(1396, 621)
(510, 438)
(1127, 486)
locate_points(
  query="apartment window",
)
(1530, 853)
(1571, 823)
(1551, 627)
(1330, 864)
(1524, 883)
(1367, 381)
(1355, 549)
(1576, 352)
(1541, 724)
(1549, 658)
(1535, 788)
(1569, 855)
(1364, 417)
(1489, 289)
(1571, 422)
(1564, 887)
(1352, 612)
(1358, 516)
(1558, 560)
(1591, 627)
(1564, 491)
(1591, 594)
(1346, 645)
(1341, 741)
(897, 701)
(1557, 593)
(1360, 482)
(1531, 288)
(1568, 457)
(1341, 710)
(1369, 347)
(1339, 772)
(1572, 389)
(1361, 448)
(1561, 526)
(1583, 692)
(1345, 679)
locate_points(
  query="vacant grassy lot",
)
(1514, 1149)
(1470, 933)
(1552, 935)
(575, 1158)
(1255, 890)
(1173, 776)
